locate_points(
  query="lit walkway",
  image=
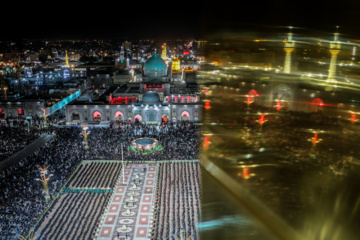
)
(130, 208)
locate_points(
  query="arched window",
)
(20, 111)
(164, 119)
(119, 116)
(137, 118)
(185, 115)
(97, 116)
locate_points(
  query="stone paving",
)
(129, 213)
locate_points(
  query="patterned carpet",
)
(128, 215)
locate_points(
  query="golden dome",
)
(175, 64)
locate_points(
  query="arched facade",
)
(109, 112)
(151, 116)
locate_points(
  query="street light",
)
(261, 120)
(44, 180)
(85, 134)
(44, 115)
(353, 117)
(249, 101)
(30, 236)
(315, 140)
(278, 104)
(182, 235)
(245, 173)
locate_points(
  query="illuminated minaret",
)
(66, 60)
(334, 50)
(163, 53)
(122, 58)
(289, 48)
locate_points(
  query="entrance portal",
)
(138, 118)
(97, 116)
(164, 119)
(185, 116)
(119, 116)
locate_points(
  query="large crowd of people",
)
(74, 216)
(15, 137)
(22, 198)
(62, 221)
(177, 199)
(21, 195)
(96, 175)
(179, 140)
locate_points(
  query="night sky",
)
(172, 20)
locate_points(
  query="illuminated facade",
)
(154, 99)
(175, 66)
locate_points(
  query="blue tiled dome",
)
(155, 66)
(150, 97)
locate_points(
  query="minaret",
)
(122, 58)
(66, 60)
(289, 48)
(163, 53)
(334, 50)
